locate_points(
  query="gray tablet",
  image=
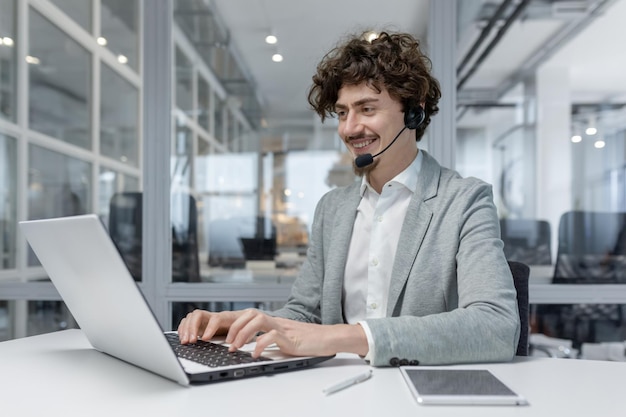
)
(458, 387)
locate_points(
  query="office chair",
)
(526, 241)
(521, 273)
(125, 228)
(591, 250)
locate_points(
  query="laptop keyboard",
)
(210, 354)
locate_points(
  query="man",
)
(404, 267)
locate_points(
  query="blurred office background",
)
(188, 133)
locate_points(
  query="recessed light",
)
(370, 36)
(32, 60)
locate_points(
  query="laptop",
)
(97, 287)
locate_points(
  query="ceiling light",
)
(271, 39)
(101, 41)
(32, 60)
(370, 36)
(6, 41)
(591, 126)
(107, 176)
(576, 138)
(277, 57)
(599, 144)
(122, 59)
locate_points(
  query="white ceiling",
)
(596, 58)
(306, 29)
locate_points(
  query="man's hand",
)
(204, 325)
(292, 337)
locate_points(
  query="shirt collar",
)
(408, 177)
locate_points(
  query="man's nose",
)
(351, 126)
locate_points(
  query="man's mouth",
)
(360, 144)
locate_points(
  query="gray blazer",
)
(451, 297)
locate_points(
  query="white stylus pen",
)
(348, 382)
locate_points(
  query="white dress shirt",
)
(373, 247)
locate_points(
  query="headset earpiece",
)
(413, 117)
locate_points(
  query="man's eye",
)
(368, 109)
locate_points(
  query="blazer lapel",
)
(414, 228)
(337, 255)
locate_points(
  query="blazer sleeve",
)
(458, 303)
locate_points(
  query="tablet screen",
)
(458, 386)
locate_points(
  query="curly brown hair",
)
(392, 61)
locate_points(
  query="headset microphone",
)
(367, 158)
(413, 117)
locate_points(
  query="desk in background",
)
(276, 283)
(60, 373)
(542, 291)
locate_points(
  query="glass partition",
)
(8, 51)
(184, 83)
(39, 317)
(8, 197)
(119, 118)
(110, 183)
(218, 120)
(59, 83)
(204, 104)
(552, 143)
(587, 331)
(58, 185)
(66, 155)
(79, 10)
(119, 30)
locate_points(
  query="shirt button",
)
(373, 306)
(379, 218)
(374, 262)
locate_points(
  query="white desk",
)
(60, 373)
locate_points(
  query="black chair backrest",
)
(521, 273)
(125, 228)
(591, 247)
(527, 241)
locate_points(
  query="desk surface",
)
(60, 372)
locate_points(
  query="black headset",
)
(413, 117)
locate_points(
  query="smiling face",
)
(368, 122)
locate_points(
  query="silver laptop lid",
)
(90, 275)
